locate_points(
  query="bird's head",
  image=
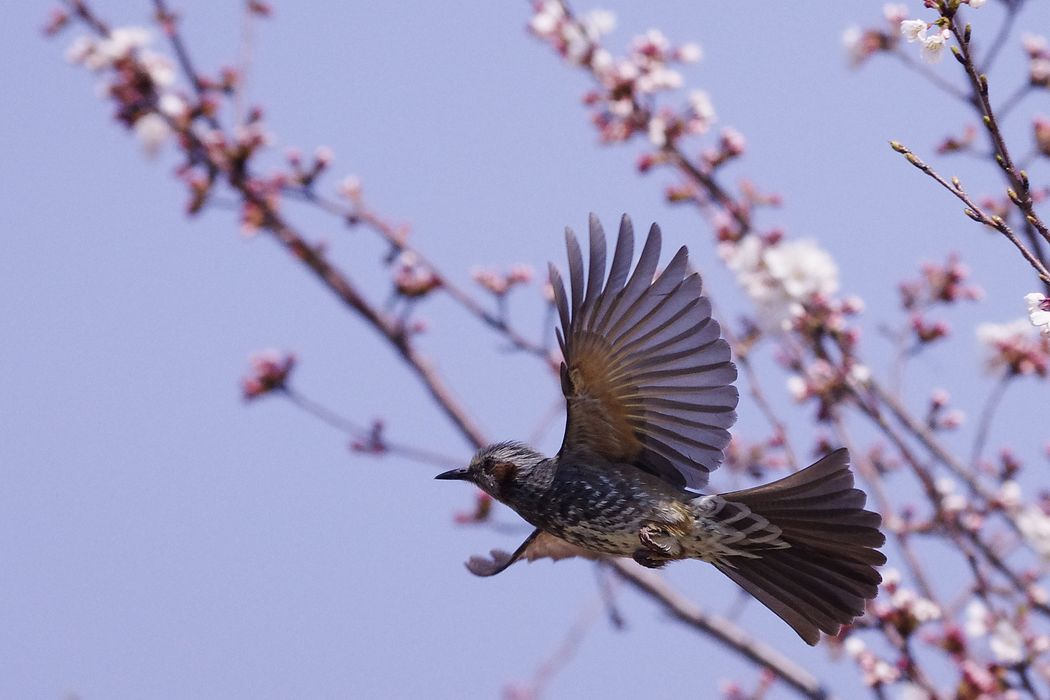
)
(498, 469)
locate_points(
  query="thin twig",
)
(987, 414)
(345, 425)
(935, 78)
(168, 20)
(1021, 195)
(1012, 10)
(974, 211)
(743, 360)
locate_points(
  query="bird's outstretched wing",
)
(647, 376)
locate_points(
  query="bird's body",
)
(602, 507)
(594, 504)
(648, 383)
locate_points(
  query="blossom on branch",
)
(1014, 348)
(933, 46)
(269, 373)
(781, 277)
(412, 278)
(1039, 311)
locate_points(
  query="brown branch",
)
(1019, 191)
(167, 20)
(362, 216)
(799, 679)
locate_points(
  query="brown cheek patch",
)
(503, 474)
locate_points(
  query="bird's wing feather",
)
(647, 377)
(538, 545)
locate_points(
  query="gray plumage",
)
(648, 385)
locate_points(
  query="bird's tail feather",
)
(824, 575)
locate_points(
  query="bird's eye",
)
(487, 464)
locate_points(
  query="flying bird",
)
(648, 383)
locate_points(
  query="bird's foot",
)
(650, 559)
(659, 546)
(659, 538)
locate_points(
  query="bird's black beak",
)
(455, 474)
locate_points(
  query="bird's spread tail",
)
(818, 573)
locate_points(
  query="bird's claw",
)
(650, 559)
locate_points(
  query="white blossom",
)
(654, 38)
(1034, 44)
(577, 43)
(152, 131)
(975, 4)
(796, 386)
(659, 78)
(171, 105)
(690, 53)
(1006, 643)
(123, 40)
(780, 277)
(802, 268)
(894, 12)
(1010, 494)
(658, 131)
(700, 105)
(914, 30)
(992, 333)
(350, 187)
(860, 373)
(1034, 525)
(933, 46)
(80, 49)
(854, 646)
(745, 259)
(851, 37)
(1039, 70)
(546, 20)
(98, 54)
(912, 691)
(599, 22)
(160, 69)
(976, 619)
(1039, 311)
(995, 336)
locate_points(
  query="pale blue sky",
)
(158, 538)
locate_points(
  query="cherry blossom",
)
(1039, 311)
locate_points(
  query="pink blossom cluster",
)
(413, 278)
(137, 79)
(945, 284)
(939, 414)
(500, 283)
(862, 44)
(1015, 348)
(1038, 50)
(624, 105)
(269, 371)
(938, 285)
(372, 441)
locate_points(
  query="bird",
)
(648, 384)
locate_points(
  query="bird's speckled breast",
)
(599, 508)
